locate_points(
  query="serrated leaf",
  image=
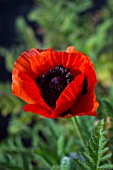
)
(106, 157)
(106, 167)
(95, 155)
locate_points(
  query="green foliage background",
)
(54, 144)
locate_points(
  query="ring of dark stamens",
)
(54, 82)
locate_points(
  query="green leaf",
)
(8, 102)
(26, 162)
(61, 145)
(96, 154)
(8, 166)
(108, 107)
(106, 166)
(55, 167)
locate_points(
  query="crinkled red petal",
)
(27, 61)
(32, 52)
(69, 96)
(81, 59)
(45, 60)
(95, 106)
(24, 87)
(85, 105)
(91, 77)
(22, 64)
(37, 109)
(42, 63)
(71, 49)
(74, 61)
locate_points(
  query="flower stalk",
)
(76, 124)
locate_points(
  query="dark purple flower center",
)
(54, 82)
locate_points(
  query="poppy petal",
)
(85, 105)
(81, 58)
(74, 62)
(71, 49)
(27, 61)
(37, 109)
(69, 96)
(91, 77)
(96, 105)
(43, 62)
(22, 64)
(24, 87)
(32, 52)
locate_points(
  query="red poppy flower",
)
(55, 84)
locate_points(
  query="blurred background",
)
(25, 24)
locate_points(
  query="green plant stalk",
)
(76, 124)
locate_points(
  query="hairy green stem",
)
(76, 124)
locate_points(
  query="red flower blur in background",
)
(55, 84)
